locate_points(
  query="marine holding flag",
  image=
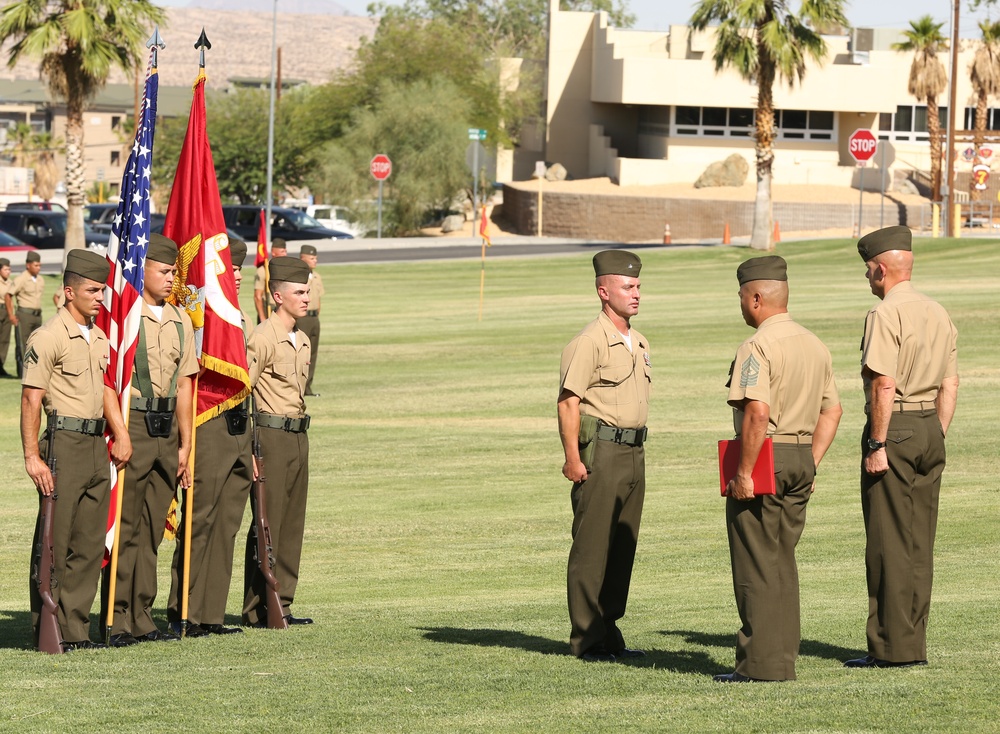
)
(206, 286)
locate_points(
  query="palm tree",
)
(927, 81)
(762, 40)
(78, 43)
(985, 72)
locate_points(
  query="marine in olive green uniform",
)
(780, 386)
(310, 322)
(223, 470)
(604, 382)
(263, 302)
(279, 356)
(5, 318)
(160, 420)
(909, 367)
(26, 293)
(64, 374)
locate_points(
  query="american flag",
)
(122, 313)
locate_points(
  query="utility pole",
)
(949, 173)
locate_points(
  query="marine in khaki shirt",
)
(603, 403)
(160, 425)
(260, 298)
(781, 386)
(279, 357)
(26, 293)
(909, 367)
(310, 322)
(63, 377)
(5, 322)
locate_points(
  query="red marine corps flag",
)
(205, 286)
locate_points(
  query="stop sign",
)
(862, 145)
(381, 167)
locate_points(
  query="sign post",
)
(477, 135)
(381, 169)
(861, 145)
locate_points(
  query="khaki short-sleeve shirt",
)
(28, 290)
(5, 285)
(612, 382)
(786, 366)
(163, 349)
(59, 360)
(910, 338)
(316, 291)
(279, 369)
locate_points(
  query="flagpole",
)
(270, 135)
(189, 514)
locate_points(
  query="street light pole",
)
(270, 125)
(949, 213)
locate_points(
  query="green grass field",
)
(439, 526)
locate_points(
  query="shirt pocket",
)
(73, 367)
(282, 370)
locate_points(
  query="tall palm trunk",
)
(979, 130)
(763, 231)
(75, 178)
(934, 131)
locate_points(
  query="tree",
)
(78, 43)
(237, 129)
(762, 40)
(927, 81)
(985, 73)
(422, 127)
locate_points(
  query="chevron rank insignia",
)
(749, 372)
(31, 357)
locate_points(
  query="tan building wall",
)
(612, 97)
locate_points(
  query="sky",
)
(660, 14)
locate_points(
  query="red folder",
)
(763, 470)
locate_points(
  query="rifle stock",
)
(49, 634)
(265, 551)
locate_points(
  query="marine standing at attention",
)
(5, 320)
(223, 470)
(279, 356)
(262, 302)
(604, 382)
(781, 387)
(64, 374)
(160, 421)
(26, 290)
(310, 322)
(909, 367)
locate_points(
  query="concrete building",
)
(649, 108)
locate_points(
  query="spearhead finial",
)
(202, 44)
(155, 43)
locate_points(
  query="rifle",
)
(49, 635)
(264, 552)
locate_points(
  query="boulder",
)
(555, 172)
(730, 172)
(453, 223)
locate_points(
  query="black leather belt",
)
(292, 425)
(312, 313)
(32, 311)
(627, 436)
(154, 405)
(86, 426)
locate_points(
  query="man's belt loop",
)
(86, 426)
(291, 425)
(154, 405)
(627, 436)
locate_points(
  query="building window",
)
(992, 119)
(908, 123)
(116, 122)
(738, 122)
(116, 157)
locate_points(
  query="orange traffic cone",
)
(777, 231)
(725, 235)
(666, 233)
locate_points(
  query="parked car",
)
(335, 217)
(99, 216)
(45, 230)
(38, 206)
(9, 244)
(289, 224)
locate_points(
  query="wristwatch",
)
(874, 445)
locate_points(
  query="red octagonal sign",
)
(381, 167)
(862, 145)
